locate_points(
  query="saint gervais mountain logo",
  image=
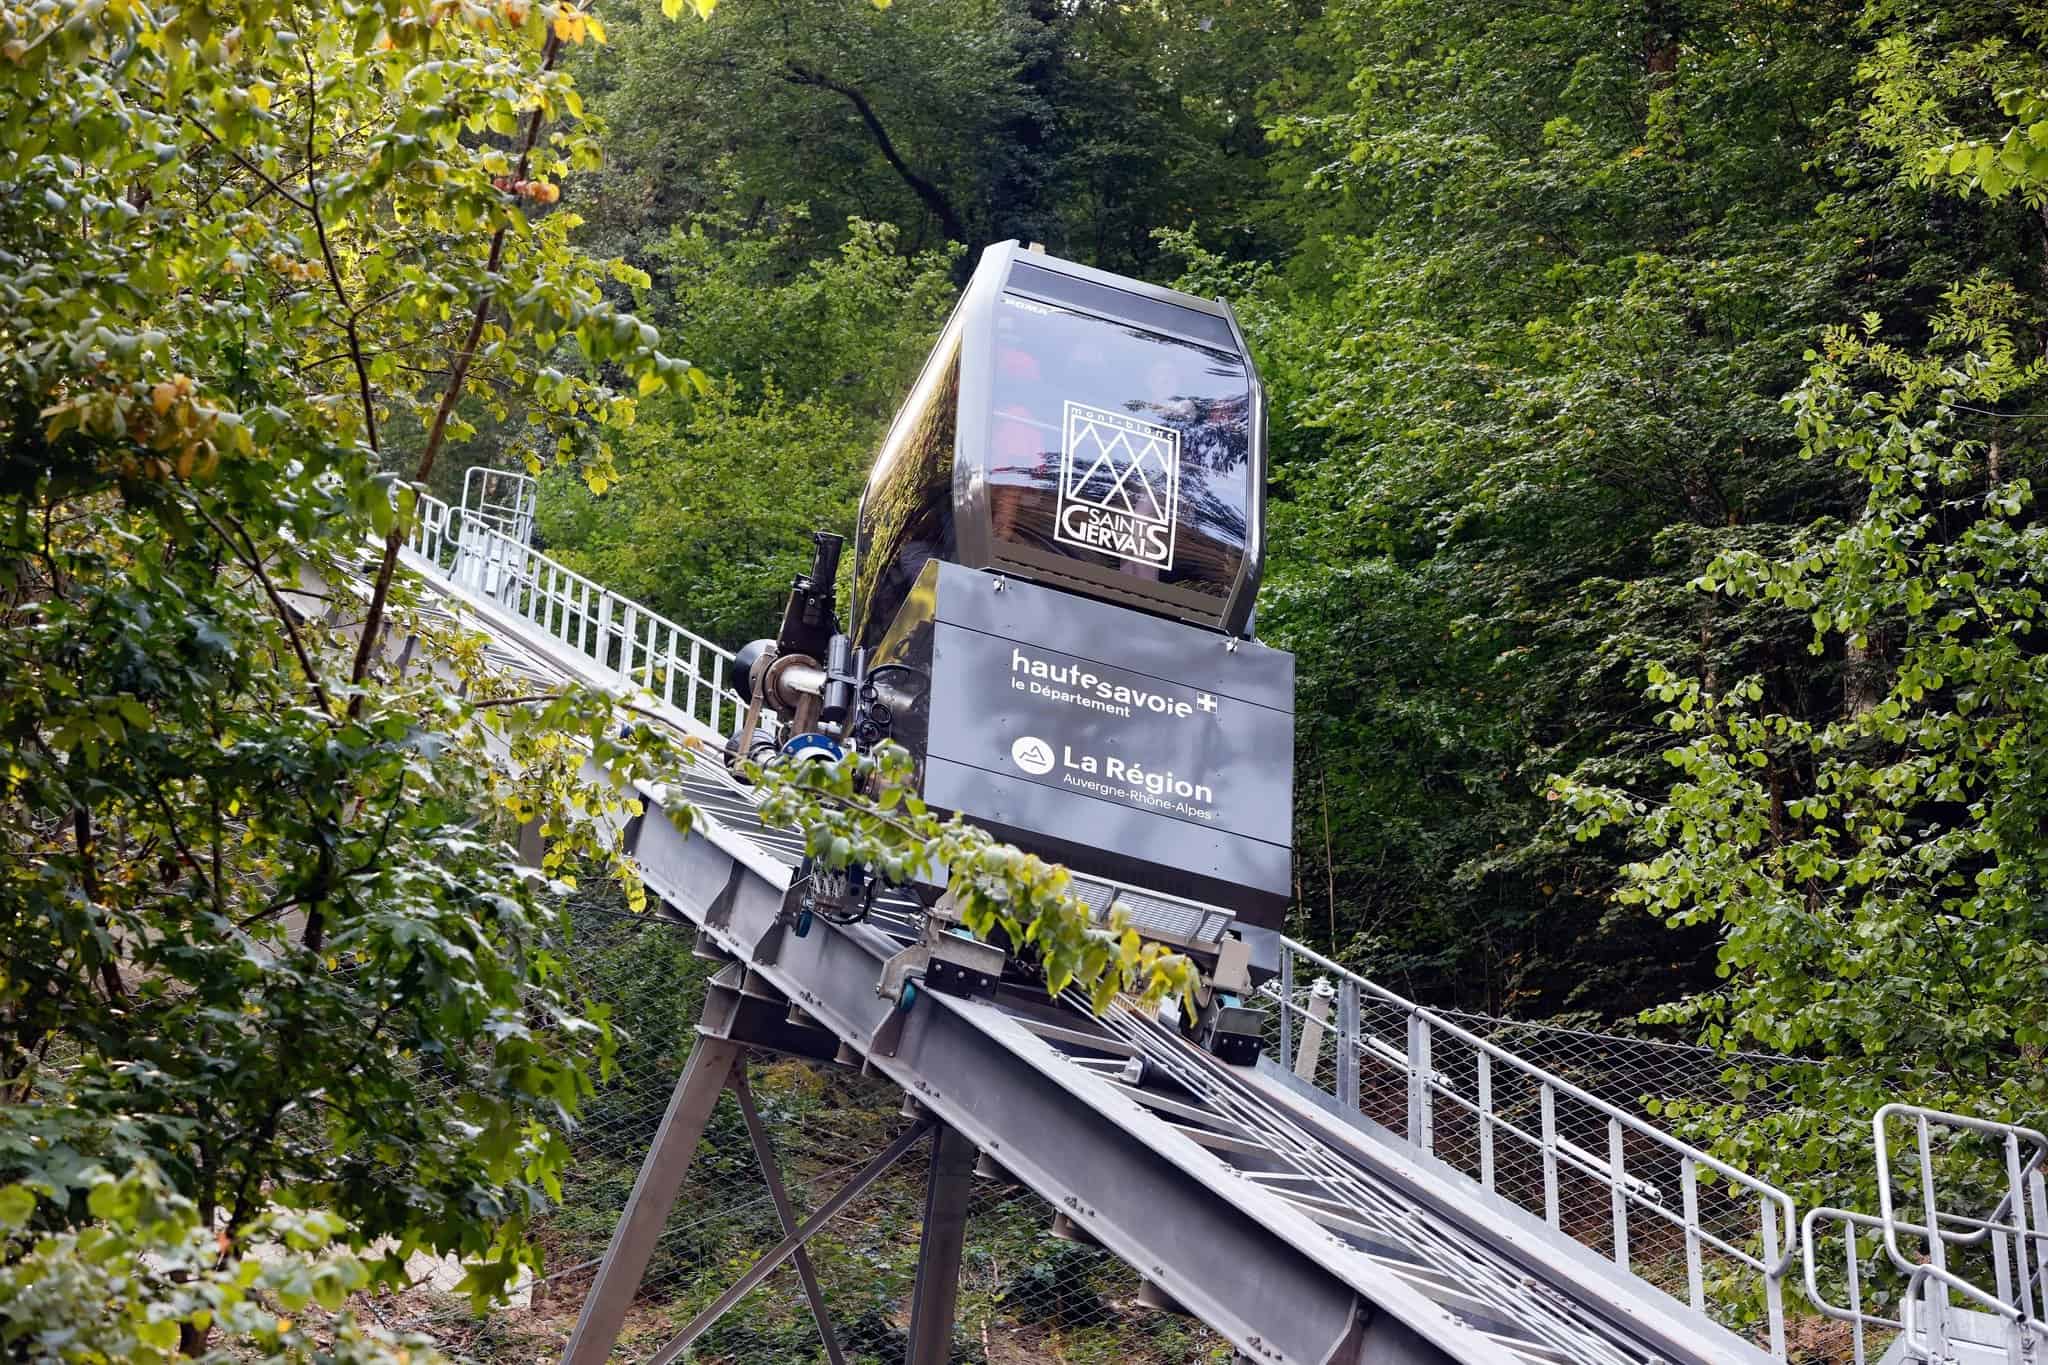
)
(1119, 485)
(1032, 754)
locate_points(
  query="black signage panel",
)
(1132, 748)
(1018, 709)
(1121, 843)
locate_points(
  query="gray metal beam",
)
(759, 1024)
(934, 1302)
(654, 1193)
(764, 1152)
(1262, 1281)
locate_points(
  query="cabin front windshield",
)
(1118, 447)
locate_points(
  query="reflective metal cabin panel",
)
(907, 511)
(1096, 434)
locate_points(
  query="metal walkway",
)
(1268, 1206)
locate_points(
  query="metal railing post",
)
(2020, 1289)
(603, 652)
(1855, 1290)
(1547, 1098)
(1347, 1045)
(1774, 1276)
(1285, 1055)
(629, 640)
(1309, 1055)
(1486, 1121)
(1937, 1250)
(1695, 1272)
(1617, 1191)
(1421, 1125)
(2036, 1194)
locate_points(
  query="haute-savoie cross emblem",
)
(1119, 485)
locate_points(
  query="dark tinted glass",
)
(1118, 447)
(906, 515)
(1142, 309)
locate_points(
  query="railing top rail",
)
(1560, 1085)
(1566, 1030)
(491, 533)
(1992, 1127)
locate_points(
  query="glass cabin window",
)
(1118, 447)
(906, 515)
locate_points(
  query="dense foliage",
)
(1657, 395)
(1548, 302)
(267, 950)
(280, 1006)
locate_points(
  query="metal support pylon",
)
(716, 1065)
(764, 1152)
(654, 1194)
(948, 1185)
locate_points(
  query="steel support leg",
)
(764, 1152)
(712, 1062)
(780, 1252)
(948, 1186)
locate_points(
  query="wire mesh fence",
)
(1025, 1293)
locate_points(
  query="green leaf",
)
(17, 1206)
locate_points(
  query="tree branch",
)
(253, 562)
(931, 196)
(89, 882)
(312, 207)
(248, 165)
(458, 376)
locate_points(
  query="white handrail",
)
(637, 646)
(2019, 1243)
(1419, 1062)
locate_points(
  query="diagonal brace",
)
(764, 1152)
(782, 1250)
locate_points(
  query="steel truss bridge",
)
(1262, 1200)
